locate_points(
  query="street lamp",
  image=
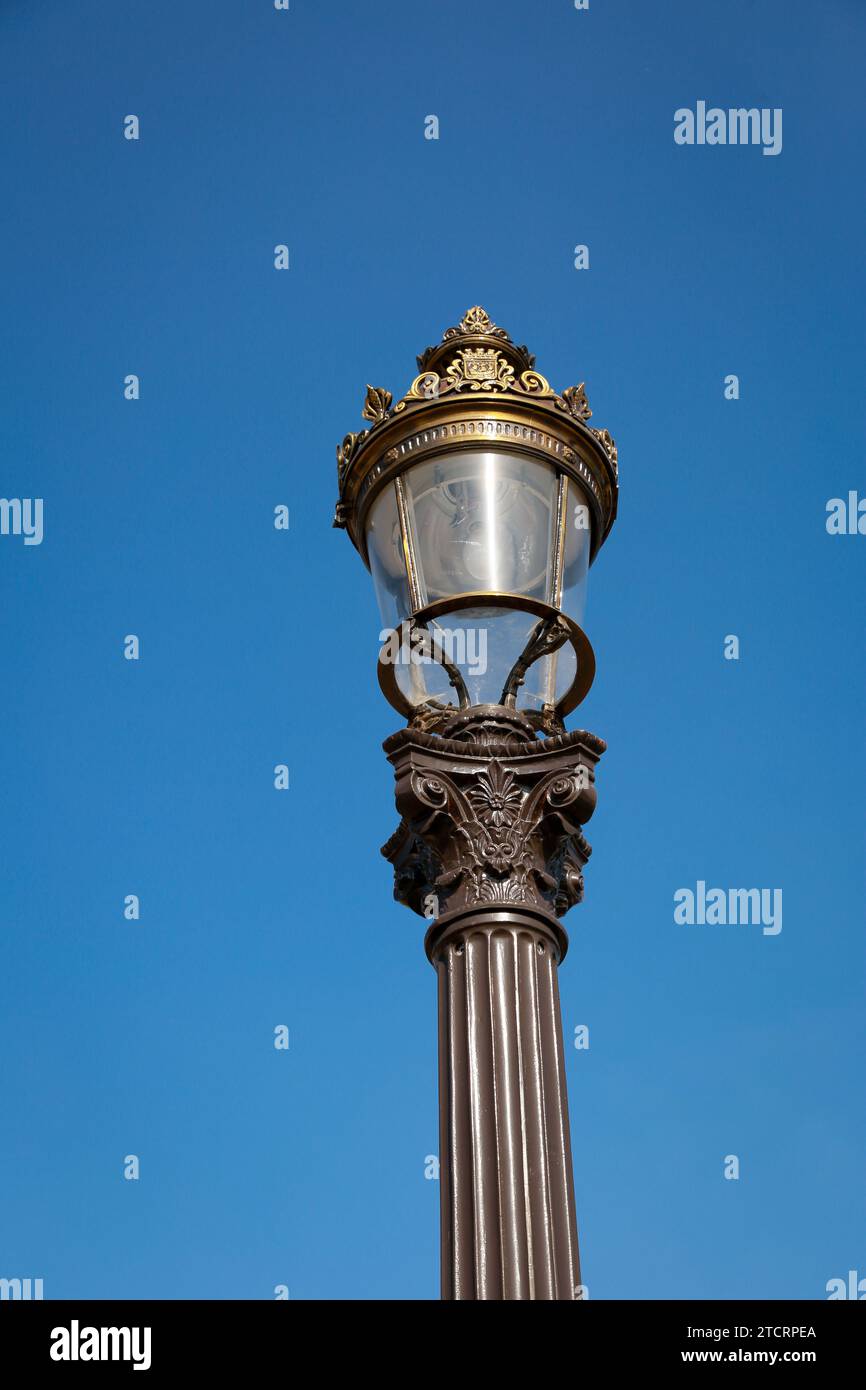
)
(478, 502)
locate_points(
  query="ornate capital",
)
(491, 816)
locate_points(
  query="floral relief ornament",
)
(497, 798)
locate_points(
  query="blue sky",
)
(259, 908)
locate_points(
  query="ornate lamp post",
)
(478, 502)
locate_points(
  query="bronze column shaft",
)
(508, 1218)
(490, 841)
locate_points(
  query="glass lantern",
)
(480, 547)
(478, 501)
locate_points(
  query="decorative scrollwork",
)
(481, 369)
(426, 387)
(566, 789)
(534, 384)
(606, 441)
(478, 369)
(546, 637)
(345, 453)
(429, 791)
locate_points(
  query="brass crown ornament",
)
(475, 386)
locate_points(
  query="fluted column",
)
(490, 844)
(508, 1219)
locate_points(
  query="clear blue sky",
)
(259, 907)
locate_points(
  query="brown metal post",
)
(490, 842)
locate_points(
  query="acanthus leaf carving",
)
(576, 401)
(376, 404)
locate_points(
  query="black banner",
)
(216, 1338)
